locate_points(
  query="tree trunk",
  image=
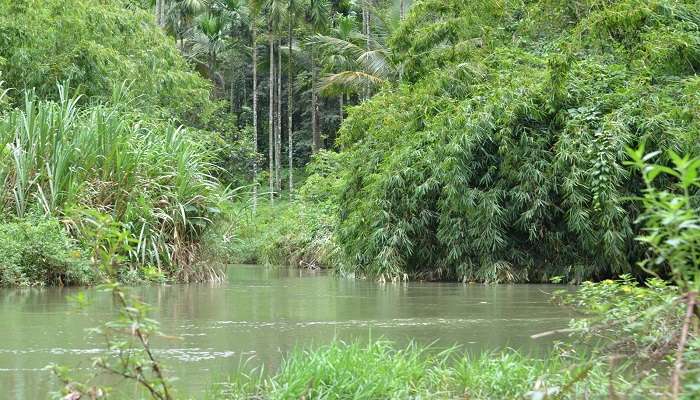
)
(340, 102)
(244, 84)
(232, 98)
(290, 117)
(271, 117)
(368, 34)
(402, 10)
(255, 116)
(315, 131)
(278, 143)
(159, 13)
(210, 67)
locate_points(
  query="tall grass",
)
(379, 370)
(58, 159)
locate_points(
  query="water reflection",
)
(264, 313)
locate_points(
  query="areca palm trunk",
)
(316, 134)
(290, 117)
(368, 34)
(210, 65)
(159, 13)
(340, 103)
(278, 142)
(255, 116)
(231, 97)
(271, 120)
(402, 10)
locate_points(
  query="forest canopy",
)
(97, 45)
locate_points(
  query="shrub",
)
(37, 251)
(379, 370)
(297, 233)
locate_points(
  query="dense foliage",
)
(92, 95)
(37, 251)
(59, 160)
(380, 370)
(97, 45)
(298, 232)
(500, 155)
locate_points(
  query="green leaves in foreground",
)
(380, 370)
(129, 355)
(672, 216)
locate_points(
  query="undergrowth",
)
(296, 230)
(284, 233)
(37, 251)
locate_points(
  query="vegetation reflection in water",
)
(264, 313)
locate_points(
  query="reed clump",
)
(58, 160)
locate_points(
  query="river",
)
(262, 313)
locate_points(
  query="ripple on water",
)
(180, 354)
(384, 323)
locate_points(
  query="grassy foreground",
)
(379, 370)
(631, 334)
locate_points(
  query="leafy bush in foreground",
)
(379, 370)
(500, 156)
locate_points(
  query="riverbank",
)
(630, 333)
(287, 232)
(381, 370)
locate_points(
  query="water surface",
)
(263, 313)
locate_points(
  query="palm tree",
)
(236, 16)
(335, 62)
(208, 39)
(278, 130)
(255, 113)
(160, 13)
(359, 63)
(274, 15)
(293, 11)
(317, 16)
(254, 10)
(178, 17)
(271, 112)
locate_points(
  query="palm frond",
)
(376, 63)
(330, 44)
(346, 81)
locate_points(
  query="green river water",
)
(262, 313)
